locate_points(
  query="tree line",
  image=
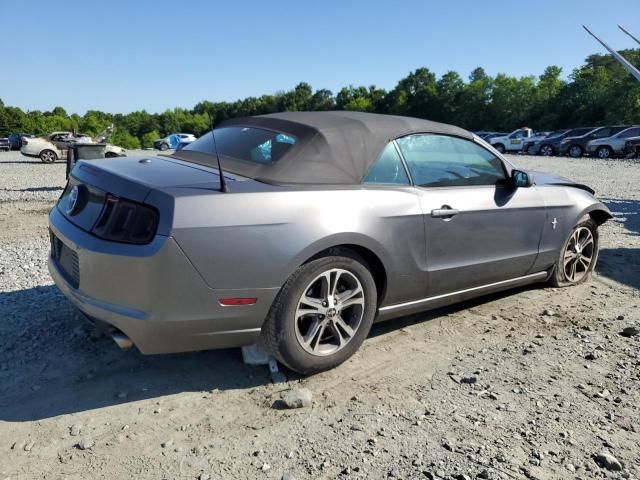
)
(597, 93)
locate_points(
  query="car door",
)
(516, 140)
(479, 229)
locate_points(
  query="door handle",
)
(444, 212)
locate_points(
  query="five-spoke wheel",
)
(578, 256)
(546, 150)
(323, 313)
(48, 156)
(329, 312)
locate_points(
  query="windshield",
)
(245, 143)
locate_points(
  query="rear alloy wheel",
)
(499, 147)
(48, 156)
(322, 314)
(604, 152)
(546, 150)
(575, 151)
(578, 257)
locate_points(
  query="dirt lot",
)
(536, 383)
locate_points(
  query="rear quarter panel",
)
(257, 240)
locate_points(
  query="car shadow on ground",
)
(33, 189)
(52, 363)
(626, 212)
(34, 160)
(621, 265)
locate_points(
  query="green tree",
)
(148, 139)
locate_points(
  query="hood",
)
(544, 178)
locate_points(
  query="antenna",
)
(623, 61)
(223, 182)
(629, 33)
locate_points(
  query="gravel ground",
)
(536, 383)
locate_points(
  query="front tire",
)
(322, 314)
(546, 150)
(604, 153)
(575, 151)
(48, 156)
(578, 256)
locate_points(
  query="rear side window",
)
(443, 161)
(387, 169)
(602, 133)
(246, 143)
(631, 132)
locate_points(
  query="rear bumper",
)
(153, 294)
(563, 149)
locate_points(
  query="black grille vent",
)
(66, 260)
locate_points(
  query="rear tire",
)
(110, 155)
(48, 156)
(311, 330)
(164, 146)
(575, 265)
(499, 147)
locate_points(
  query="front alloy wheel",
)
(575, 151)
(546, 150)
(578, 257)
(578, 254)
(48, 156)
(322, 313)
(603, 152)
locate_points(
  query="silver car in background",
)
(612, 146)
(331, 221)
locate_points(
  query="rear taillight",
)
(126, 221)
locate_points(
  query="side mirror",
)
(520, 179)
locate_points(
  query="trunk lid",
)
(134, 179)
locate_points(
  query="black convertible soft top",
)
(335, 147)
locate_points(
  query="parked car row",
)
(4, 144)
(601, 142)
(56, 145)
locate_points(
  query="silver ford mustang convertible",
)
(325, 223)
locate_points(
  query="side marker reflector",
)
(237, 302)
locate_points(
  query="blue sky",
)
(120, 56)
